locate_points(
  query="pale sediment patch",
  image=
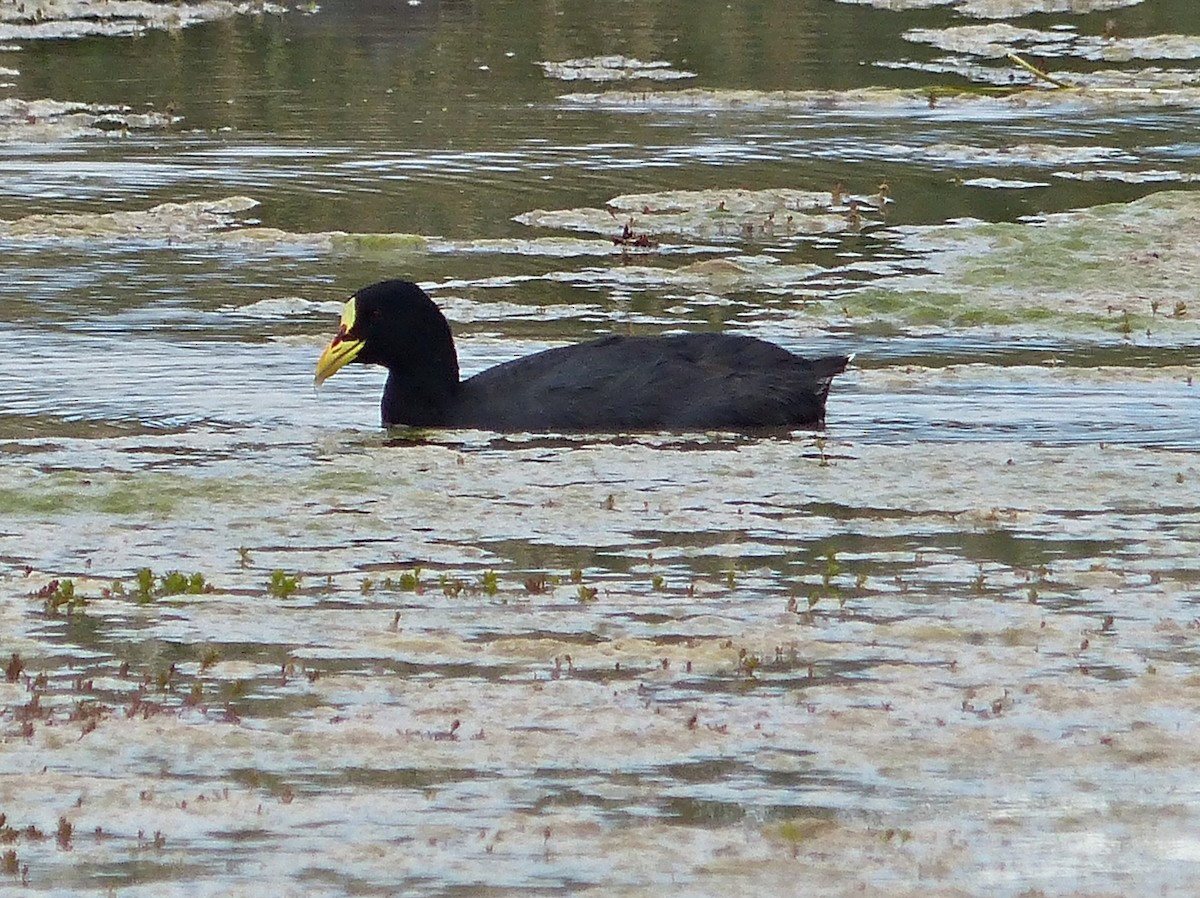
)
(612, 68)
(638, 220)
(46, 120)
(1002, 9)
(167, 221)
(1122, 267)
(890, 102)
(1003, 183)
(59, 19)
(996, 40)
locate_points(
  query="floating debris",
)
(1040, 154)
(994, 41)
(164, 222)
(1147, 176)
(58, 19)
(59, 120)
(612, 68)
(1114, 269)
(713, 215)
(1003, 183)
(1002, 9)
(997, 40)
(940, 101)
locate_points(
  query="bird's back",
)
(680, 382)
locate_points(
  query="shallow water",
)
(944, 646)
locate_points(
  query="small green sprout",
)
(174, 583)
(587, 594)
(821, 442)
(490, 582)
(145, 585)
(59, 595)
(410, 581)
(281, 585)
(832, 568)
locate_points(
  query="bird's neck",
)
(418, 400)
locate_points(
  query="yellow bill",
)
(342, 349)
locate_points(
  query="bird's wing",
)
(692, 381)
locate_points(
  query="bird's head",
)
(394, 324)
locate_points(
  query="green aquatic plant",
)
(586, 594)
(59, 596)
(162, 680)
(195, 695)
(410, 581)
(174, 583)
(148, 585)
(820, 442)
(490, 582)
(208, 657)
(145, 585)
(832, 568)
(282, 585)
(748, 663)
(657, 582)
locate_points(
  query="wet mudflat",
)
(945, 646)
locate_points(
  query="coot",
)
(683, 382)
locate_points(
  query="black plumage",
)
(679, 382)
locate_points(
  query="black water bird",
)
(684, 382)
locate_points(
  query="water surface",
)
(943, 646)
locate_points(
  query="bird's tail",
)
(826, 368)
